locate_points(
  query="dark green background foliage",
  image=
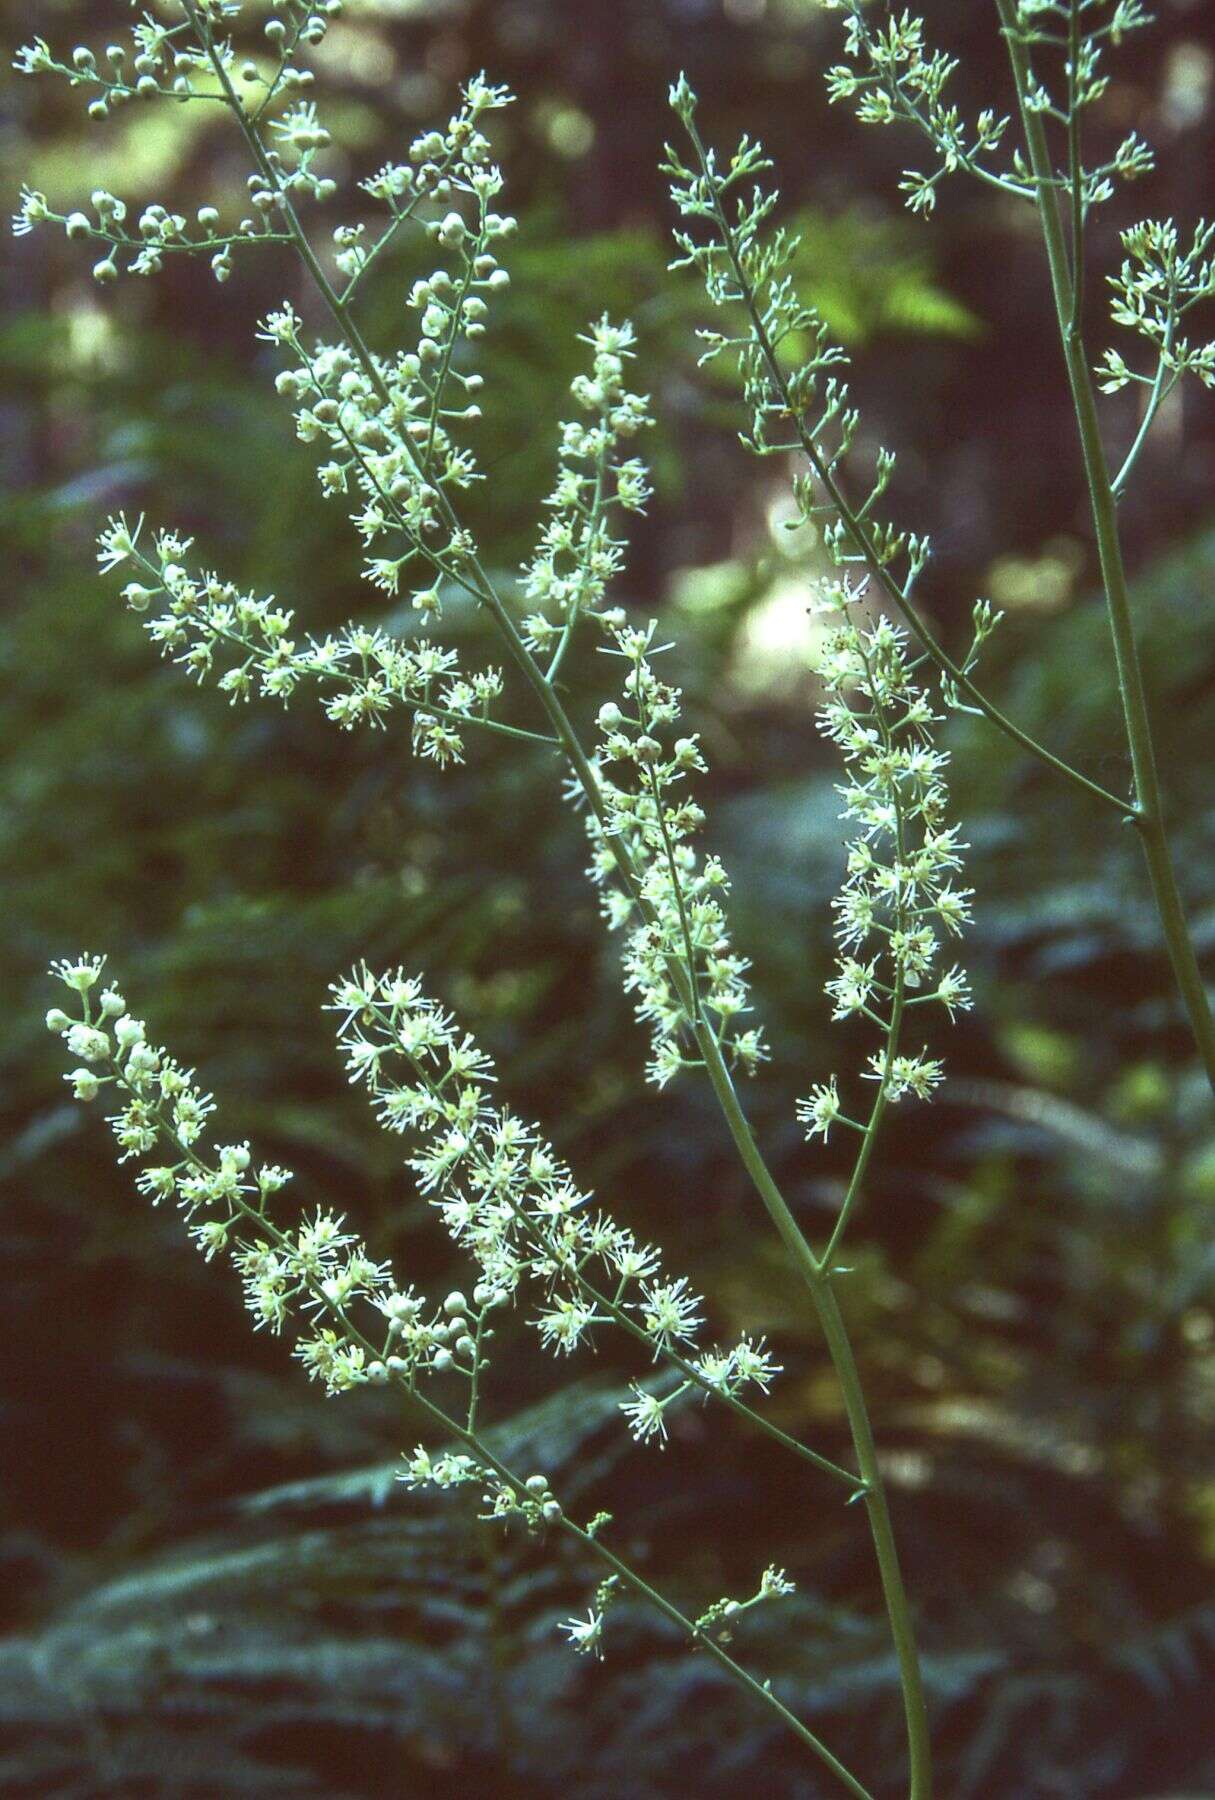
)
(212, 1583)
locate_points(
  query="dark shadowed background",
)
(212, 1584)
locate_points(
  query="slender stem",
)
(1148, 812)
(871, 1129)
(1162, 386)
(901, 1624)
(1075, 168)
(817, 1279)
(692, 1374)
(706, 1641)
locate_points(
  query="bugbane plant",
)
(393, 433)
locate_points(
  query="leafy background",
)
(211, 1583)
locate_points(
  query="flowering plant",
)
(393, 433)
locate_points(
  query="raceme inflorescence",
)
(393, 432)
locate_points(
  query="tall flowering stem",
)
(1055, 49)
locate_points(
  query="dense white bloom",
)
(503, 1194)
(362, 674)
(678, 958)
(578, 556)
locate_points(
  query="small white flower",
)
(586, 1635)
(820, 1109)
(646, 1414)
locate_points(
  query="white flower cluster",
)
(896, 75)
(586, 1635)
(900, 898)
(362, 673)
(317, 1267)
(355, 1326)
(507, 1199)
(1157, 285)
(385, 425)
(678, 957)
(158, 233)
(577, 555)
(440, 163)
